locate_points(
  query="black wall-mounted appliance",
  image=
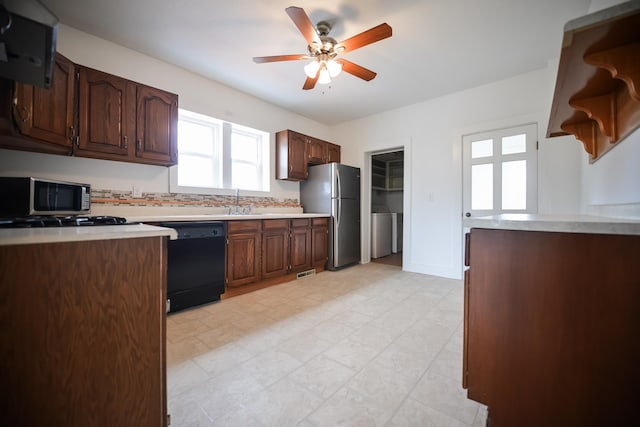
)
(28, 32)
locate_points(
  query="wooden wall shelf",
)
(597, 97)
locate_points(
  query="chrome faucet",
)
(236, 210)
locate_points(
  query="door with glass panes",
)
(500, 171)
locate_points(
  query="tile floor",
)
(370, 345)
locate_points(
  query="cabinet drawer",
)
(299, 222)
(319, 222)
(275, 224)
(242, 226)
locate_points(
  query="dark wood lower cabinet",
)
(275, 248)
(266, 252)
(243, 252)
(300, 245)
(551, 327)
(83, 333)
(319, 242)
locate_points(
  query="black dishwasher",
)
(195, 270)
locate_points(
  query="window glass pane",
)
(244, 176)
(482, 148)
(195, 138)
(514, 185)
(514, 144)
(244, 147)
(196, 171)
(482, 186)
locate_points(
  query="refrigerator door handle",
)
(339, 195)
(338, 213)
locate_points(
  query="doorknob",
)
(468, 214)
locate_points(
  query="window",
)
(500, 171)
(213, 154)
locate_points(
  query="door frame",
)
(406, 201)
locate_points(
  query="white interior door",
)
(500, 171)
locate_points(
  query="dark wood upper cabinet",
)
(90, 113)
(107, 106)
(333, 153)
(296, 151)
(316, 151)
(157, 125)
(291, 156)
(46, 117)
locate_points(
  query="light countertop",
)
(25, 236)
(557, 223)
(221, 217)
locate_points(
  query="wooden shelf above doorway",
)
(597, 94)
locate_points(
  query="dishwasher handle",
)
(197, 229)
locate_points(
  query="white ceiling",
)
(437, 47)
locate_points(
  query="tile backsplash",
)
(125, 198)
(122, 203)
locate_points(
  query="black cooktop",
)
(60, 221)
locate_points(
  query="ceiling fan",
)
(323, 50)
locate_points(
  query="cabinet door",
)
(319, 242)
(48, 114)
(316, 151)
(243, 252)
(275, 248)
(157, 126)
(91, 348)
(106, 115)
(333, 153)
(291, 156)
(300, 245)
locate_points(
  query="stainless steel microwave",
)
(20, 196)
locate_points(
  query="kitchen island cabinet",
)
(83, 329)
(551, 326)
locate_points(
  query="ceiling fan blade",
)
(310, 83)
(276, 58)
(356, 70)
(372, 35)
(302, 21)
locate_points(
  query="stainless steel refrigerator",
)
(334, 189)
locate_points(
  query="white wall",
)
(611, 185)
(431, 132)
(195, 93)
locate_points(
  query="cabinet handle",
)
(139, 145)
(290, 168)
(125, 140)
(22, 113)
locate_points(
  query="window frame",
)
(497, 159)
(225, 161)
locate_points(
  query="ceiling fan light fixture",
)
(334, 68)
(324, 78)
(311, 69)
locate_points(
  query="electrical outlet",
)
(136, 192)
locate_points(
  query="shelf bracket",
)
(585, 132)
(623, 63)
(602, 109)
